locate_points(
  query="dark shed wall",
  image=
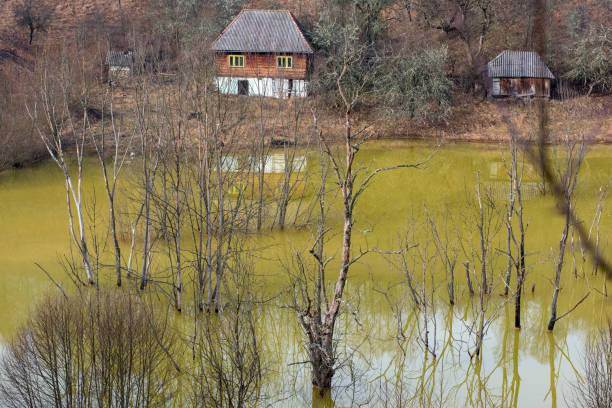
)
(524, 87)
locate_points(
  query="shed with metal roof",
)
(123, 59)
(519, 73)
(119, 63)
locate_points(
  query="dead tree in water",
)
(520, 269)
(603, 192)
(487, 225)
(484, 288)
(448, 256)
(318, 312)
(515, 209)
(567, 179)
(509, 215)
(55, 117)
(228, 362)
(150, 164)
(294, 174)
(119, 154)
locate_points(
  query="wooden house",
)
(520, 74)
(263, 52)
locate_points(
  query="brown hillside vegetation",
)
(67, 15)
(94, 25)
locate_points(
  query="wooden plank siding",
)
(262, 65)
(524, 87)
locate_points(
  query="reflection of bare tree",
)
(553, 375)
(593, 388)
(516, 378)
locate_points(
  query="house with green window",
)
(265, 53)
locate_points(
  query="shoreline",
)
(469, 121)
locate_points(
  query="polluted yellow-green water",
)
(381, 334)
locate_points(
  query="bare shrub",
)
(91, 349)
(594, 389)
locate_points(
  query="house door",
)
(243, 87)
(290, 88)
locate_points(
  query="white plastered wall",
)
(272, 87)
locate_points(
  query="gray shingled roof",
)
(120, 58)
(263, 31)
(518, 64)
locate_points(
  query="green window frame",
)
(284, 61)
(235, 61)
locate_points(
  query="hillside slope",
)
(67, 14)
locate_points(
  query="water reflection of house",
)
(278, 163)
(274, 164)
(278, 169)
(497, 180)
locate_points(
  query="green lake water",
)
(526, 368)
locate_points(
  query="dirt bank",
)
(483, 120)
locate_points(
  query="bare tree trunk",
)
(520, 267)
(568, 179)
(467, 276)
(520, 279)
(119, 157)
(324, 371)
(483, 248)
(598, 212)
(59, 120)
(220, 229)
(318, 325)
(148, 186)
(559, 267)
(177, 241)
(509, 217)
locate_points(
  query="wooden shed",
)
(263, 52)
(120, 63)
(520, 74)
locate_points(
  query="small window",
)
(236, 61)
(284, 62)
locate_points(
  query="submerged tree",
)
(317, 311)
(227, 350)
(60, 116)
(567, 173)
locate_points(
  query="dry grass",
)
(476, 120)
